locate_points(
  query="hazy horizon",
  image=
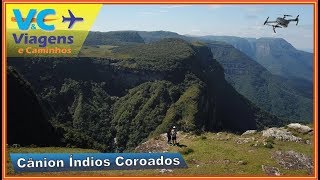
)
(215, 19)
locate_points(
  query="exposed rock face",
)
(258, 84)
(300, 128)
(244, 140)
(249, 132)
(271, 171)
(172, 82)
(294, 160)
(280, 134)
(154, 145)
(275, 54)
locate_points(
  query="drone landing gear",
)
(274, 28)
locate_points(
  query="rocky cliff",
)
(169, 82)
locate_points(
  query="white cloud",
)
(175, 6)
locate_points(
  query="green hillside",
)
(169, 82)
(113, 38)
(275, 54)
(210, 154)
(272, 93)
(286, 94)
(28, 119)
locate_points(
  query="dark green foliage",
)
(28, 121)
(153, 36)
(287, 96)
(203, 137)
(113, 38)
(112, 105)
(275, 54)
(270, 140)
(268, 145)
(272, 93)
(164, 55)
(141, 111)
(82, 110)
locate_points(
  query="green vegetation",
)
(141, 111)
(27, 116)
(113, 38)
(164, 55)
(218, 154)
(86, 123)
(186, 151)
(101, 51)
(183, 112)
(271, 93)
(115, 104)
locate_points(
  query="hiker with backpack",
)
(174, 135)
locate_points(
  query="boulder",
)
(271, 171)
(293, 160)
(299, 127)
(165, 171)
(244, 140)
(280, 134)
(249, 132)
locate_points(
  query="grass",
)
(101, 51)
(214, 155)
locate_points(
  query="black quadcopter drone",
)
(281, 22)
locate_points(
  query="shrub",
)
(270, 140)
(186, 151)
(268, 145)
(203, 137)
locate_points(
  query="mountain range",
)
(275, 54)
(288, 94)
(170, 82)
(128, 86)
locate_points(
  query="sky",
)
(215, 19)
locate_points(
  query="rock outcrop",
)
(294, 160)
(299, 127)
(280, 134)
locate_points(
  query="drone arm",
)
(270, 22)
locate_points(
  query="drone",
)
(281, 22)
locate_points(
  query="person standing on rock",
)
(174, 135)
(169, 135)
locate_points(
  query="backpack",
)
(173, 133)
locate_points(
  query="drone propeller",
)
(297, 19)
(286, 15)
(266, 21)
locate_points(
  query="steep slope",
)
(275, 54)
(28, 121)
(271, 93)
(242, 44)
(170, 82)
(281, 58)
